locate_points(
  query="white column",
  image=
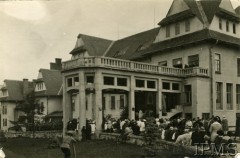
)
(82, 101)
(98, 101)
(159, 98)
(66, 103)
(132, 98)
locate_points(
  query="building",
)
(48, 85)
(12, 94)
(189, 65)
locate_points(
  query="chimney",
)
(25, 86)
(57, 65)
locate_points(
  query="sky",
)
(34, 33)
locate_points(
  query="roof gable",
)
(227, 5)
(177, 7)
(93, 45)
(52, 80)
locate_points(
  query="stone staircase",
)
(176, 110)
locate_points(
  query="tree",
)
(30, 106)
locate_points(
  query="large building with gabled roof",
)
(189, 66)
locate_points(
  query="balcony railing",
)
(132, 66)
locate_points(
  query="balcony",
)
(133, 66)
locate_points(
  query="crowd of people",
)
(183, 131)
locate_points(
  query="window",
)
(238, 96)
(234, 28)
(188, 93)
(227, 26)
(187, 25)
(220, 23)
(217, 63)
(4, 122)
(219, 96)
(108, 80)
(229, 96)
(4, 109)
(168, 31)
(104, 103)
(238, 66)
(90, 79)
(86, 104)
(121, 101)
(175, 86)
(76, 81)
(121, 81)
(140, 83)
(166, 85)
(193, 60)
(112, 102)
(177, 63)
(177, 28)
(162, 63)
(151, 84)
(69, 82)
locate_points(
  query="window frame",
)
(219, 97)
(187, 25)
(190, 63)
(238, 96)
(217, 63)
(234, 28)
(168, 31)
(220, 23)
(177, 28)
(229, 96)
(227, 26)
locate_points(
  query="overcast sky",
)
(34, 33)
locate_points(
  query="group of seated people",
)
(181, 131)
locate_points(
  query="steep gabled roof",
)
(15, 90)
(199, 36)
(52, 80)
(202, 9)
(95, 46)
(125, 47)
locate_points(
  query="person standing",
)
(66, 143)
(214, 127)
(224, 125)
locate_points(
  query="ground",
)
(38, 148)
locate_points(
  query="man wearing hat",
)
(224, 125)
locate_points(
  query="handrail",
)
(132, 66)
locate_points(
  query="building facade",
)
(190, 65)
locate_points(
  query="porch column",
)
(82, 101)
(159, 98)
(66, 104)
(98, 101)
(132, 98)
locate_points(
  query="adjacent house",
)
(48, 85)
(11, 95)
(189, 65)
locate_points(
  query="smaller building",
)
(12, 94)
(48, 85)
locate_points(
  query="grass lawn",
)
(38, 148)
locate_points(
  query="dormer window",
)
(187, 25)
(168, 31)
(40, 86)
(234, 28)
(227, 26)
(220, 23)
(177, 28)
